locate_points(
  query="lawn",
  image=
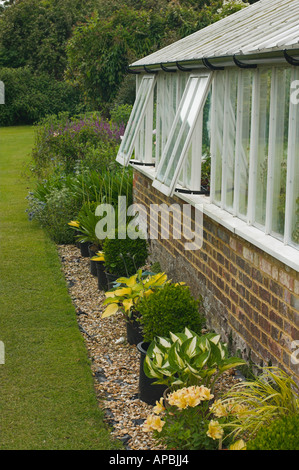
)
(47, 399)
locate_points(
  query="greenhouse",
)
(222, 104)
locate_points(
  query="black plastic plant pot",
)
(84, 249)
(148, 391)
(134, 332)
(111, 278)
(93, 264)
(102, 278)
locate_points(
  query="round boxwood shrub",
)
(170, 308)
(281, 434)
(124, 256)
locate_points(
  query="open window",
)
(178, 142)
(129, 140)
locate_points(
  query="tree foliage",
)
(90, 43)
(115, 35)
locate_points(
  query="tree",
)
(101, 48)
(34, 33)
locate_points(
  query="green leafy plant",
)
(86, 224)
(186, 421)
(186, 358)
(124, 256)
(170, 309)
(281, 434)
(126, 298)
(271, 395)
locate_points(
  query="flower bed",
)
(114, 362)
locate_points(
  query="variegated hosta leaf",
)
(196, 372)
(179, 337)
(189, 347)
(201, 359)
(175, 360)
(128, 281)
(128, 303)
(123, 291)
(110, 310)
(151, 370)
(164, 342)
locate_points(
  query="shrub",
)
(54, 212)
(30, 97)
(65, 142)
(120, 114)
(280, 434)
(123, 257)
(171, 308)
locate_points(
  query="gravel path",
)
(114, 362)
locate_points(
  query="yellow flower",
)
(215, 431)
(219, 409)
(205, 393)
(153, 423)
(74, 223)
(159, 407)
(189, 396)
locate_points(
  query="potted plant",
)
(83, 246)
(87, 221)
(126, 299)
(186, 358)
(187, 421)
(170, 308)
(124, 256)
(99, 260)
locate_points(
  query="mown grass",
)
(47, 399)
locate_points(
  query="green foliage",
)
(124, 256)
(34, 33)
(120, 114)
(30, 97)
(271, 395)
(170, 309)
(87, 224)
(54, 212)
(280, 434)
(89, 44)
(117, 35)
(186, 359)
(85, 141)
(186, 422)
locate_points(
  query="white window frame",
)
(160, 183)
(140, 109)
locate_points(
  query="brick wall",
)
(250, 298)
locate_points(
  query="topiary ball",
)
(170, 308)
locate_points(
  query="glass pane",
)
(295, 179)
(184, 122)
(244, 114)
(262, 147)
(230, 126)
(135, 121)
(280, 149)
(179, 140)
(218, 119)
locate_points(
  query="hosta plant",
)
(131, 289)
(185, 359)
